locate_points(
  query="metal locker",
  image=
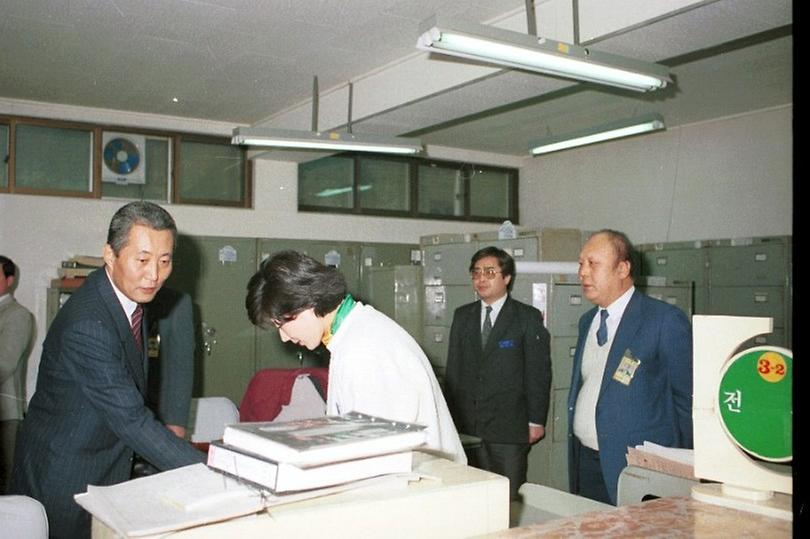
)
(214, 272)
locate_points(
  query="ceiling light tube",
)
(626, 128)
(523, 51)
(330, 141)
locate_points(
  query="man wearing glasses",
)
(498, 373)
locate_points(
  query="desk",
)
(664, 517)
(461, 502)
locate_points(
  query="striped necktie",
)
(137, 320)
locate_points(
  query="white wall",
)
(724, 178)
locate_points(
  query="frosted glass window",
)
(53, 158)
(211, 173)
(489, 193)
(327, 182)
(441, 190)
(385, 185)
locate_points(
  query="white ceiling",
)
(249, 62)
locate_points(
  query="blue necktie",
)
(601, 333)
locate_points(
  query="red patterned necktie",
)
(137, 319)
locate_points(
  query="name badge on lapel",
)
(508, 343)
(627, 368)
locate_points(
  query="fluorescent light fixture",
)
(626, 128)
(330, 141)
(524, 51)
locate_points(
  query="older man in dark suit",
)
(498, 375)
(87, 415)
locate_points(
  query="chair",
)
(285, 394)
(208, 417)
(22, 517)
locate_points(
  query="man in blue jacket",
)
(632, 372)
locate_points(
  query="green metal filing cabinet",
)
(680, 263)
(736, 277)
(679, 295)
(559, 298)
(435, 341)
(397, 292)
(448, 264)
(441, 302)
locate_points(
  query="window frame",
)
(513, 178)
(175, 139)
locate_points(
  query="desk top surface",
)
(664, 517)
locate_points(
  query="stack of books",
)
(315, 453)
(75, 270)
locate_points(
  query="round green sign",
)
(755, 402)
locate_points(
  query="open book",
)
(192, 496)
(322, 440)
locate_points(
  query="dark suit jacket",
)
(171, 382)
(657, 404)
(496, 392)
(88, 414)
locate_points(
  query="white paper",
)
(192, 496)
(684, 456)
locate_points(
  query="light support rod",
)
(329, 141)
(523, 51)
(621, 129)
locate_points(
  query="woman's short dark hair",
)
(505, 261)
(289, 282)
(138, 213)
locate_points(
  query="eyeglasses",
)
(285, 318)
(489, 273)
